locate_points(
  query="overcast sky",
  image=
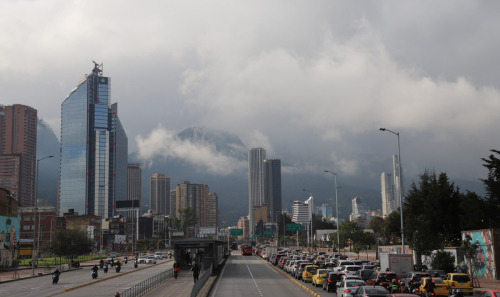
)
(310, 81)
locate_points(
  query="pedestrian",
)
(176, 269)
(196, 272)
(188, 258)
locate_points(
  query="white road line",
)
(258, 289)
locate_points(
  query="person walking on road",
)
(196, 272)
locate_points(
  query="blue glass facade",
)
(94, 150)
(272, 186)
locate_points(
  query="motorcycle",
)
(135, 264)
(101, 264)
(170, 255)
(106, 268)
(55, 279)
(94, 274)
(126, 260)
(117, 268)
(457, 293)
(430, 294)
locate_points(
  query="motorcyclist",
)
(126, 260)
(95, 269)
(457, 293)
(101, 263)
(429, 285)
(404, 288)
(106, 268)
(55, 276)
(394, 286)
(117, 268)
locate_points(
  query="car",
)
(440, 290)
(348, 287)
(489, 293)
(151, 260)
(437, 273)
(109, 260)
(414, 276)
(372, 267)
(300, 269)
(370, 291)
(350, 269)
(331, 280)
(459, 281)
(364, 274)
(308, 272)
(319, 277)
(379, 278)
(401, 295)
(142, 260)
(417, 267)
(158, 255)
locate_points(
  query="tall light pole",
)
(311, 216)
(400, 190)
(337, 208)
(34, 218)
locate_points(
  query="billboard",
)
(127, 204)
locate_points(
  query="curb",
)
(33, 276)
(292, 279)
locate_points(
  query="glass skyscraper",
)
(94, 149)
(272, 187)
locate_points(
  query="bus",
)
(246, 249)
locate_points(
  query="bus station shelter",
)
(208, 251)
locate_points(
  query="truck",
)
(270, 250)
(400, 264)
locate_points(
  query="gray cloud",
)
(311, 83)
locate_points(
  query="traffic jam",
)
(349, 277)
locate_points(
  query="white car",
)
(158, 255)
(142, 260)
(151, 260)
(347, 288)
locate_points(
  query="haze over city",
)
(310, 83)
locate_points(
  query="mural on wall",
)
(484, 264)
(9, 244)
(427, 259)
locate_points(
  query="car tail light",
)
(470, 284)
(306, 274)
(347, 271)
(452, 284)
(347, 291)
(329, 280)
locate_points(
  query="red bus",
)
(246, 249)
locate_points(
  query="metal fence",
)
(145, 286)
(201, 281)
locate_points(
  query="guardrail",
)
(201, 281)
(145, 286)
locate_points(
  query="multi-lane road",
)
(251, 276)
(42, 286)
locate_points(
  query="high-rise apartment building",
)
(387, 194)
(301, 212)
(18, 133)
(159, 194)
(243, 223)
(327, 211)
(209, 210)
(134, 181)
(196, 196)
(358, 208)
(272, 187)
(94, 149)
(256, 157)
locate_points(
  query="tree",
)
(469, 251)
(443, 260)
(391, 229)
(350, 232)
(71, 243)
(188, 218)
(376, 223)
(492, 184)
(177, 223)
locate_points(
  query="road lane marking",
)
(258, 289)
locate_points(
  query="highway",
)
(42, 286)
(251, 276)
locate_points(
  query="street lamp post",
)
(400, 190)
(337, 208)
(311, 217)
(34, 218)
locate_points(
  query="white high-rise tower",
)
(387, 194)
(395, 166)
(256, 157)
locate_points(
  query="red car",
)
(490, 293)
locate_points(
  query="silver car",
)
(348, 287)
(151, 260)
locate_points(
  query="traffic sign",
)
(255, 235)
(293, 227)
(268, 232)
(236, 232)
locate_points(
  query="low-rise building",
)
(10, 225)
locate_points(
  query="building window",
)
(26, 227)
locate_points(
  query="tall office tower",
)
(18, 132)
(300, 212)
(134, 184)
(358, 208)
(190, 195)
(387, 194)
(94, 149)
(256, 157)
(327, 212)
(395, 166)
(159, 194)
(272, 187)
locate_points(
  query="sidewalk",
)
(487, 284)
(26, 272)
(182, 286)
